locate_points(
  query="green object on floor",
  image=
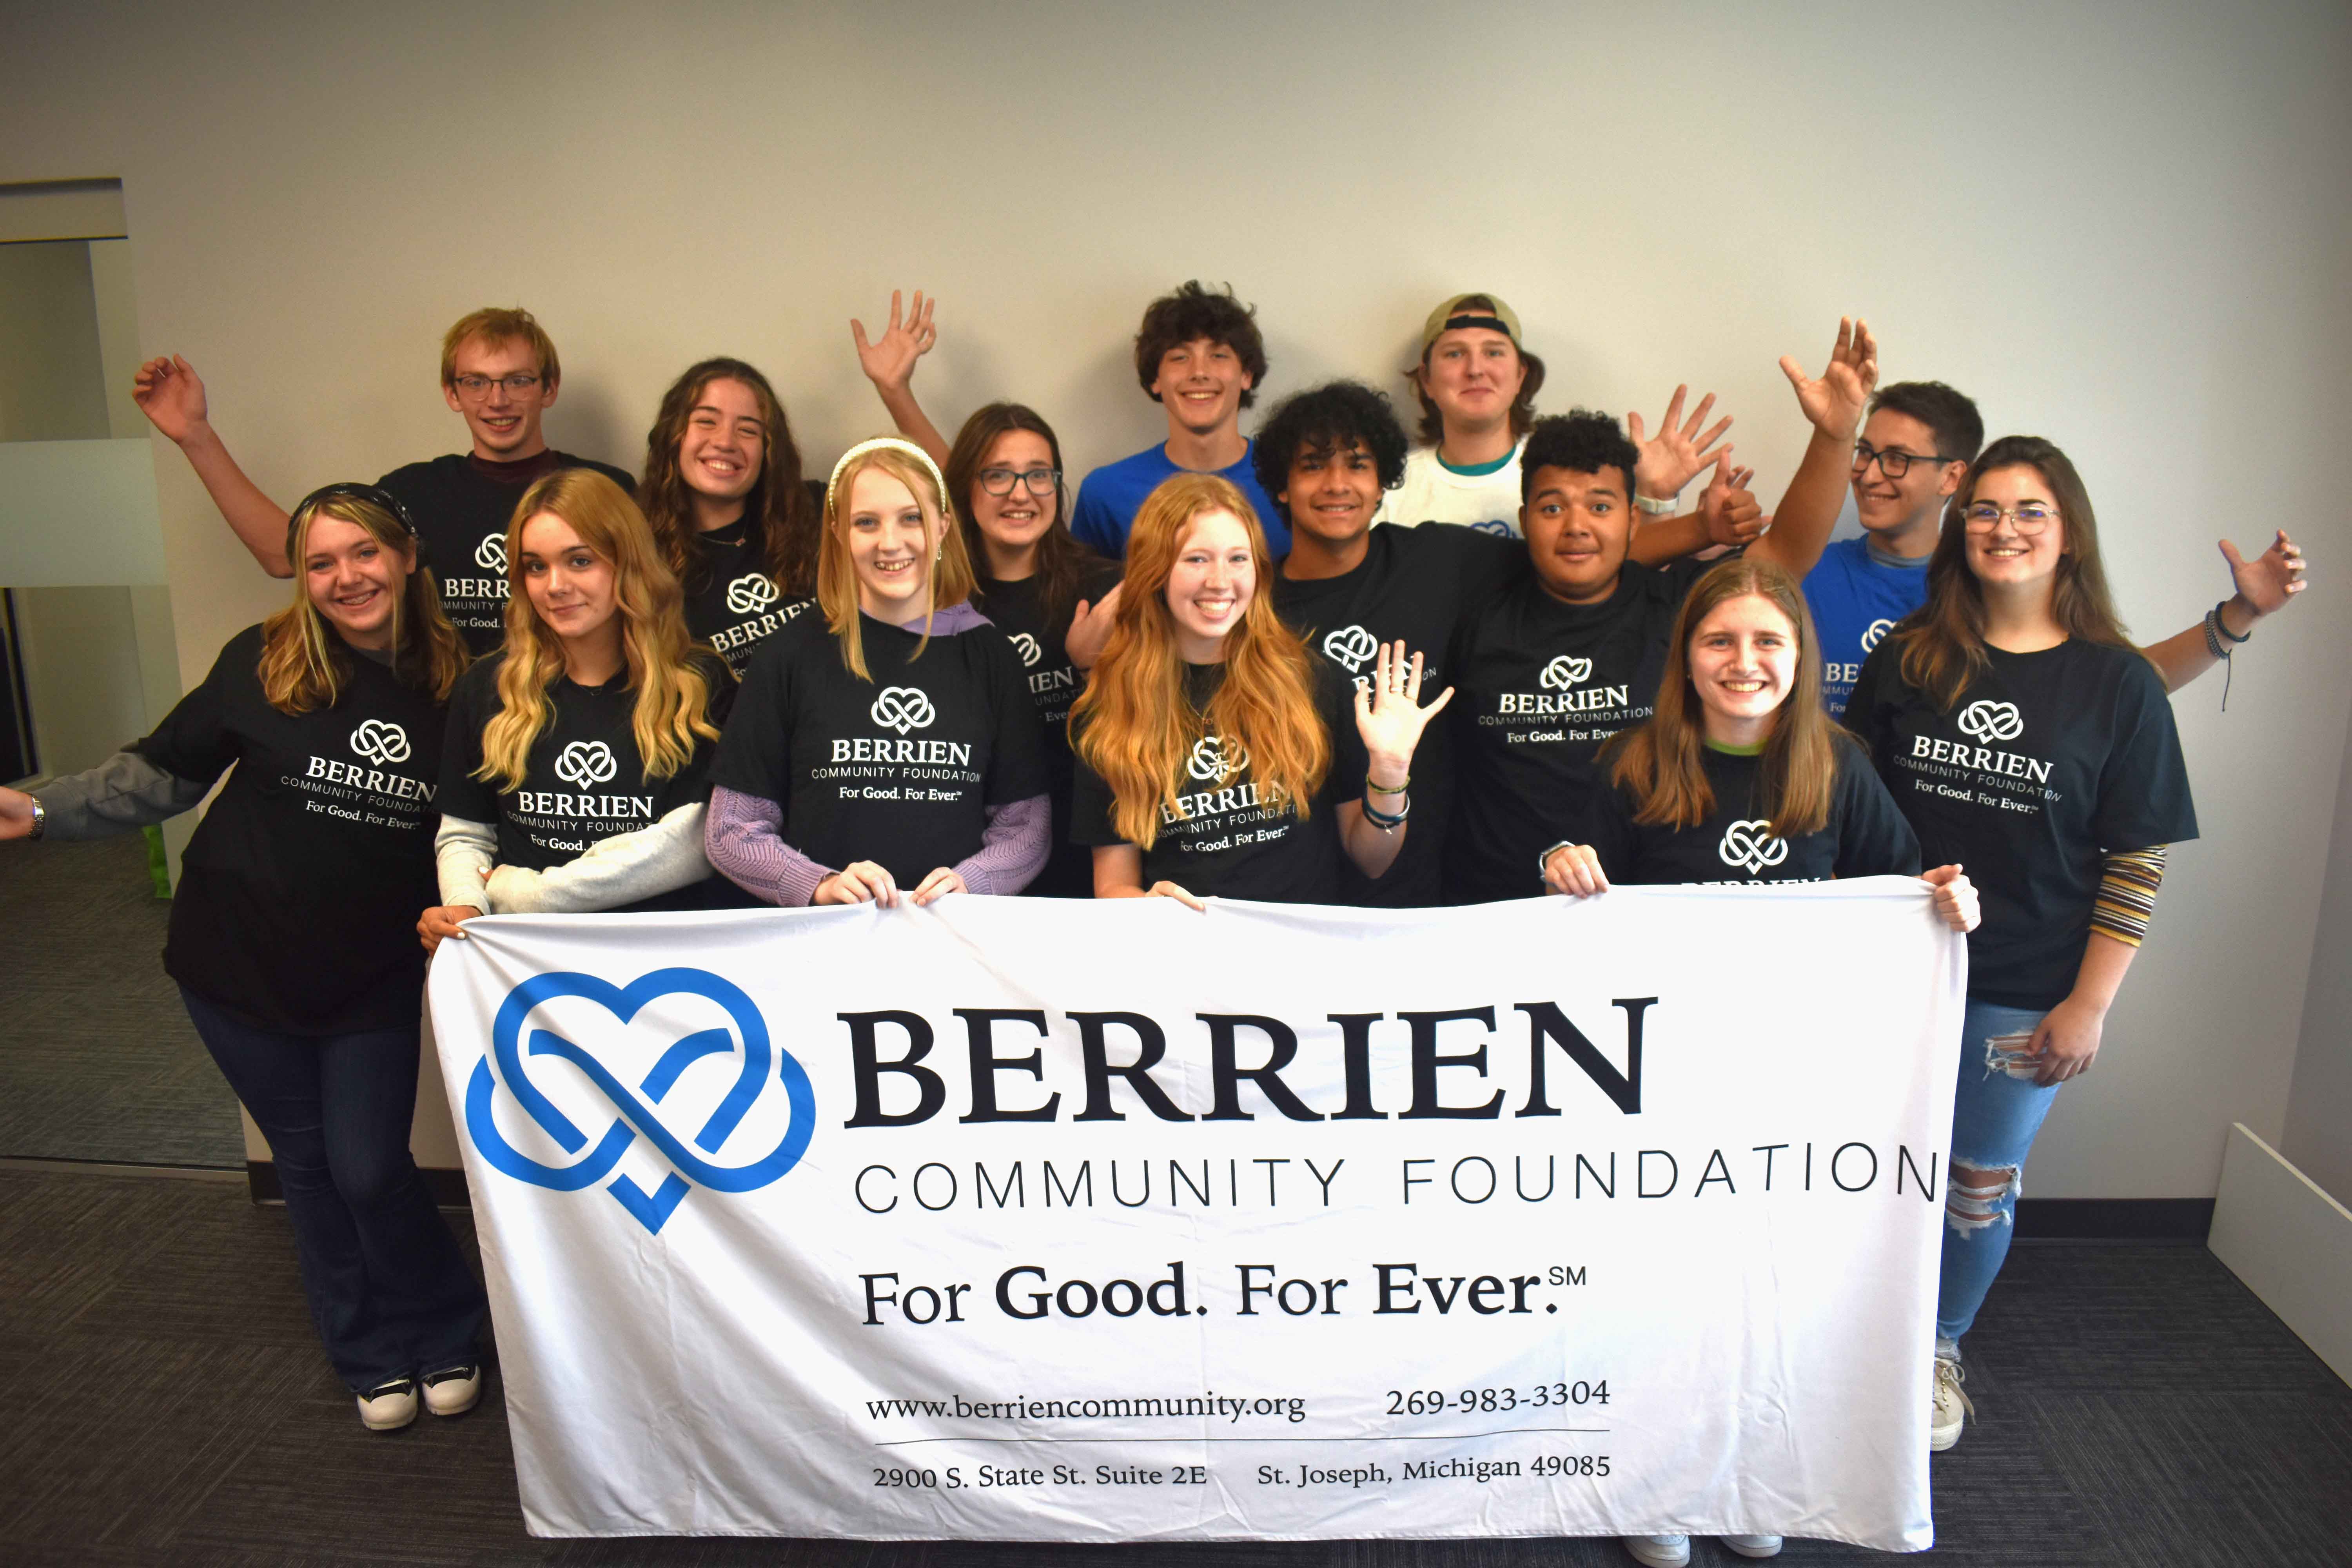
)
(159, 863)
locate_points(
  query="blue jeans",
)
(1998, 1109)
(390, 1290)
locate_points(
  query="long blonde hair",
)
(673, 694)
(948, 581)
(1658, 763)
(304, 663)
(1135, 725)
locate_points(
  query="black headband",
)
(1492, 323)
(373, 495)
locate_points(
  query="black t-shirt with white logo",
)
(1416, 583)
(1229, 841)
(1539, 685)
(1015, 606)
(585, 779)
(299, 895)
(2046, 763)
(462, 506)
(1865, 836)
(731, 603)
(897, 770)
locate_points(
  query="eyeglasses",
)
(999, 481)
(516, 385)
(2030, 519)
(1894, 464)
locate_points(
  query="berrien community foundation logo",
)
(696, 1155)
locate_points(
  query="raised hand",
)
(1732, 513)
(171, 396)
(888, 361)
(1835, 402)
(1090, 629)
(2268, 580)
(1388, 715)
(1673, 456)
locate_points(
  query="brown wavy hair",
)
(1134, 723)
(779, 516)
(304, 662)
(1658, 762)
(1523, 406)
(1062, 563)
(949, 582)
(673, 691)
(1943, 640)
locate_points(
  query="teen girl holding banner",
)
(1215, 757)
(1739, 775)
(290, 931)
(2020, 732)
(578, 757)
(887, 747)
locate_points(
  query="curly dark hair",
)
(1581, 441)
(782, 528)
(1523, 407)
(1193, 311)
(1325, 419)
(1063, 562)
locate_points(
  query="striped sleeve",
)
(2126, 896)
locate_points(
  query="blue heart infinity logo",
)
(637, 1115)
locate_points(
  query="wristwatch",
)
(1543, 861)
(40, 818)
(1655, 507)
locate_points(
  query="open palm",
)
(1388, 715)
(889, 360)
(1835, 401)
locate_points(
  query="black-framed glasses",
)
(517, 385)
(1894, 462)
(2030, 519)
(999, 481)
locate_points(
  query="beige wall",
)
(2121, 229)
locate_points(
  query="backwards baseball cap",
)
(1452, 314)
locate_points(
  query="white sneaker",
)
(454, 1390)
(1753, 1545)
(1659, 1551)
(389, 1406)
(1949, 1405)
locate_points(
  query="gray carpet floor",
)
(166, 1404)
(97, 1060)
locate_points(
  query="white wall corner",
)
(2290, 1243)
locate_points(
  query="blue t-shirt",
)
(1856, 598)
(1109, 498)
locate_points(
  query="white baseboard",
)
(2290, 1242)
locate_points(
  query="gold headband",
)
(880, 443)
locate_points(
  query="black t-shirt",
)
(1229, 843)
(462, 506)
(1054, 684)
(299, 895)
(897, 770)
(1539, 685)
(731, 603)
(585, 779)
(1416, 584)
(1865, 836)
(2047, 762)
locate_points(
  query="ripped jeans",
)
(1998, 1109)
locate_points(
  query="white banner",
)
(1021, 1219)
